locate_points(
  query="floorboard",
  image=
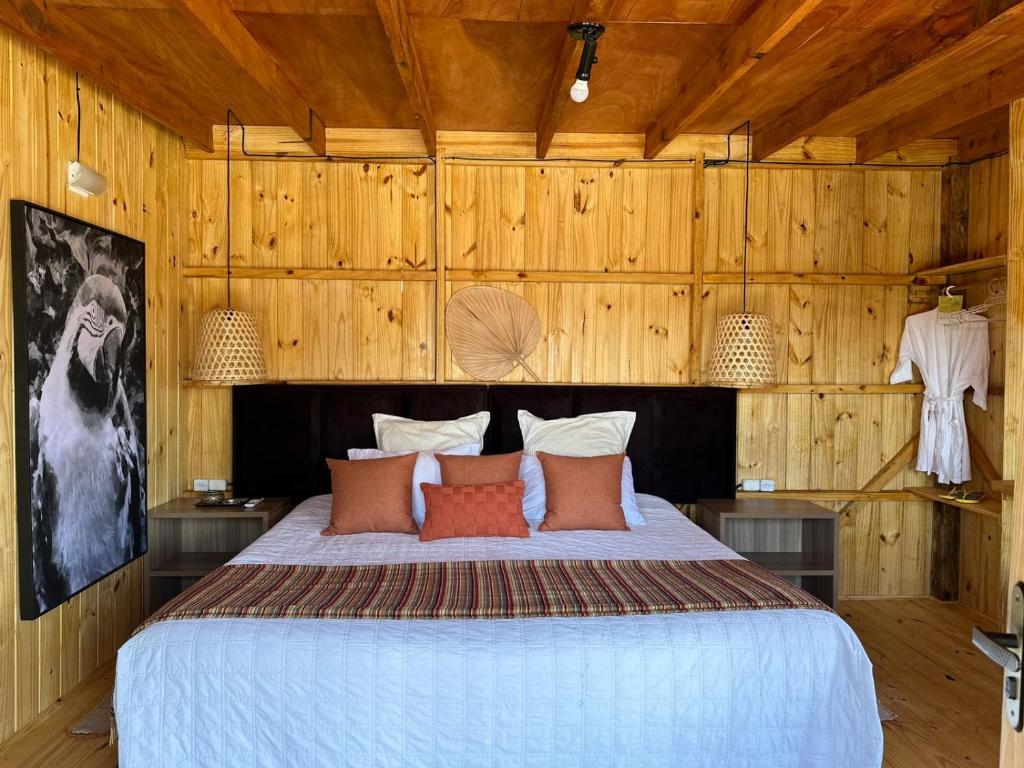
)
(944, 693)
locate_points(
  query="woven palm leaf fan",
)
(491, 331)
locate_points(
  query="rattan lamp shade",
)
(230, 350)
(744, 352)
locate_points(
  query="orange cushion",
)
(455, 511)
(371, 496)
(479, 470)
(583, 493)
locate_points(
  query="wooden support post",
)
(945, 575)
(955, 213)
(697, 290)
(441, 221)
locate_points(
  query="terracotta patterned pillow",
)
(371, 496)
(583, 493)
(479, 470)
(456, 511)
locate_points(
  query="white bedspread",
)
(771, 689)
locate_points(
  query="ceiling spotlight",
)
(588, 32)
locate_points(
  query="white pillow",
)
(396, 434)
(427, 470)
(535, 494)
(593, 434)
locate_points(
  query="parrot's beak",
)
(100, 356)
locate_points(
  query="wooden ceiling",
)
(887, 72)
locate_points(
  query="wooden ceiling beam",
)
(771, 23)
(396, 26)
(984, 94)
(32, 20)
(216, 20)
(987, 141)
(912, 53)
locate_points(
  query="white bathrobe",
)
(951, 358)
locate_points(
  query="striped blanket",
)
(498, 589)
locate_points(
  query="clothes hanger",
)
(997, 291)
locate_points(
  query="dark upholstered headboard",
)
(683, 446)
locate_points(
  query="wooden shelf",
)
(965, 267)
(792, 563)
(828, 496)
(189, 564)
(989, 507)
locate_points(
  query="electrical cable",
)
(746, 216)
(228, 191)
(78, 120)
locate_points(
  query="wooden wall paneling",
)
(980, 586)
(383, 212)
(981, 539)
(626, 334)
(20, 641)
(550, 225)
(44, 659)
(988, 205)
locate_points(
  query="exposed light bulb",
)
(579, 91)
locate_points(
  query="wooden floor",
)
(944, 693)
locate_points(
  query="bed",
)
(765, 688)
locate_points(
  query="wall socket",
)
(762, 485)
(202, 485)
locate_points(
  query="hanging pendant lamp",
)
(744, 354)
(230, 350)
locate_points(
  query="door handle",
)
(1007, 650)
(999, 647)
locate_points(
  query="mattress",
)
(742, 688)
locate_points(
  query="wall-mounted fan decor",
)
(491, 331)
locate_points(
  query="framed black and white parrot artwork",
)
(80, 403)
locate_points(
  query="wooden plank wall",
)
(628, 265)
(982, 582)
(42, 660)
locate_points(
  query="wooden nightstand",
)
(795, 539)
(186, 542)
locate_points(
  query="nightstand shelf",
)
(791, 563)
(186, 542)
(186, 564)
(797, 540)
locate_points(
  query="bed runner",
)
(493, 589)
